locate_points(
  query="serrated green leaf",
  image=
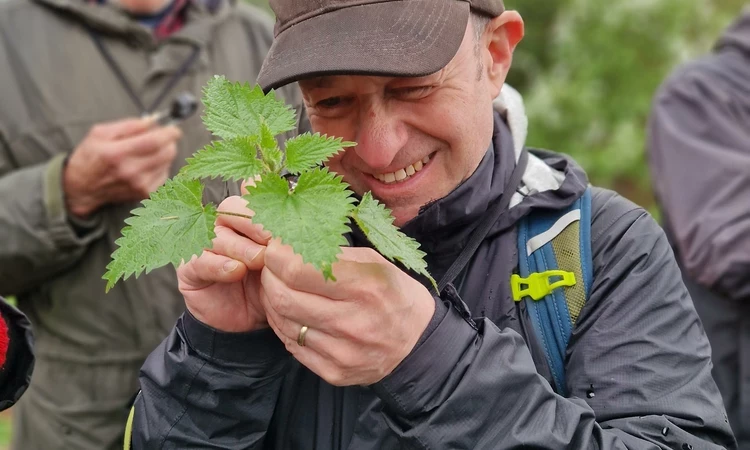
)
(236, 110)
(312, 219)
(235, 159)
(309, 150)
(269, 149)
(377, 223)
(171, 226)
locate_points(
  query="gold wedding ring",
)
(301, 337)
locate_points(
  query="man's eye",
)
(331, 102)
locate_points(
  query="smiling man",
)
(271, 356)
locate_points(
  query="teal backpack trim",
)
(543, 238)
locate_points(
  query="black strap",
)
(117, 70)
(485, 226)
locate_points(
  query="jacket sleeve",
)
(202, 388)
(699, 144)
(37, 239)
(638, 365)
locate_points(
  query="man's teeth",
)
(403, 174)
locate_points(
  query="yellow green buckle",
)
(539, 285)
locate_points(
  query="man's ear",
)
(499, 40)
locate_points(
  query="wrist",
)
(77, 204)
(227, 326)
(249, 347)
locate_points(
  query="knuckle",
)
(371, 254)
(336, 377)
(368, 332)
(345, 361)
(141, 187)
(112, 158)
(171, 151)
(283, 304)
(290, 345)
(291, 272)
(126, 172)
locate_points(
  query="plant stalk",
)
(225, 213)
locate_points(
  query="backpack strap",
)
(555, 275)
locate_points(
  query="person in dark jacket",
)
(271, 356)
(16, 354)
(699, 147)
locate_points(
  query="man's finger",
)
(238, 247)
(317, 343)
(323, 313)
(247, 183)
(123, 128)
(243, 225)
(352, 277)
(208, 269)
(150, 141)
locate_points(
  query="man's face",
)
(417, 138)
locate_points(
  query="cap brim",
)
(408, 38)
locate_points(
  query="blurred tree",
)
(588, 69)
(262, 3)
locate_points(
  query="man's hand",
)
(221, 287)
(118, 162)
(360, 326)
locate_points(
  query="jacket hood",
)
(737, 36)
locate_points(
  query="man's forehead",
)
(332, 81)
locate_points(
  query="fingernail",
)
(230, 266)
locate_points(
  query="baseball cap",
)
(409, 38)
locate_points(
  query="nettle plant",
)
(312, 216)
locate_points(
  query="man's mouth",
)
(403, 174)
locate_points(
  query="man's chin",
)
(403, 215)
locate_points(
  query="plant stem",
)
(224, 213)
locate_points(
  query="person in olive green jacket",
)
(76, 156)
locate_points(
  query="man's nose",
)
(380, 137)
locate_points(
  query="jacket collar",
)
(108, 18)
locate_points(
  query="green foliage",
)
(312, 216)
(307, 150)
(234, 159)
(377, 223)
(236, 110)
(172, 225)
(588, 70)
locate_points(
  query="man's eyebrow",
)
(317, 82)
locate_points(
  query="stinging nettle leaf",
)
(235, 159)
(269, 149)
(173, 225)
(377, 223)
(236, 110)
(309, 150)
(312, 218)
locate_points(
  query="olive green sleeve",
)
(37, 239)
